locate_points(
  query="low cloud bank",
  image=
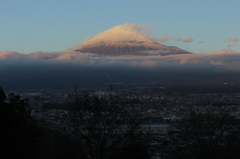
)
(223, 57)
(46, 69)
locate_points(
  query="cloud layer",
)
(233, 39)
(44, 69)
(187, 40)
(163, 39)
(225, 57)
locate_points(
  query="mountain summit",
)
(125, 39)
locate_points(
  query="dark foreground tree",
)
(105, 127)
(18, 129)
(209, 134)
(54, 145)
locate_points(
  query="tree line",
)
(100, 127)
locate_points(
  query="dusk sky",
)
(52, 25)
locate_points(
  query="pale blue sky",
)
(53, 25)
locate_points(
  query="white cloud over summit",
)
(124, 32)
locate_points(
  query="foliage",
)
(55, 145)
(104, 126)
(209, 134)
(19, 130)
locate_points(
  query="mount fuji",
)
(125, 39)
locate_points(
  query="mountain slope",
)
(125, 39)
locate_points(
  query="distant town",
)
(162, 108)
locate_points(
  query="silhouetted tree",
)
(2, 96)
(54, 145)
(210, 134)
(104, 126)
(18, 129)
(135, 147)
